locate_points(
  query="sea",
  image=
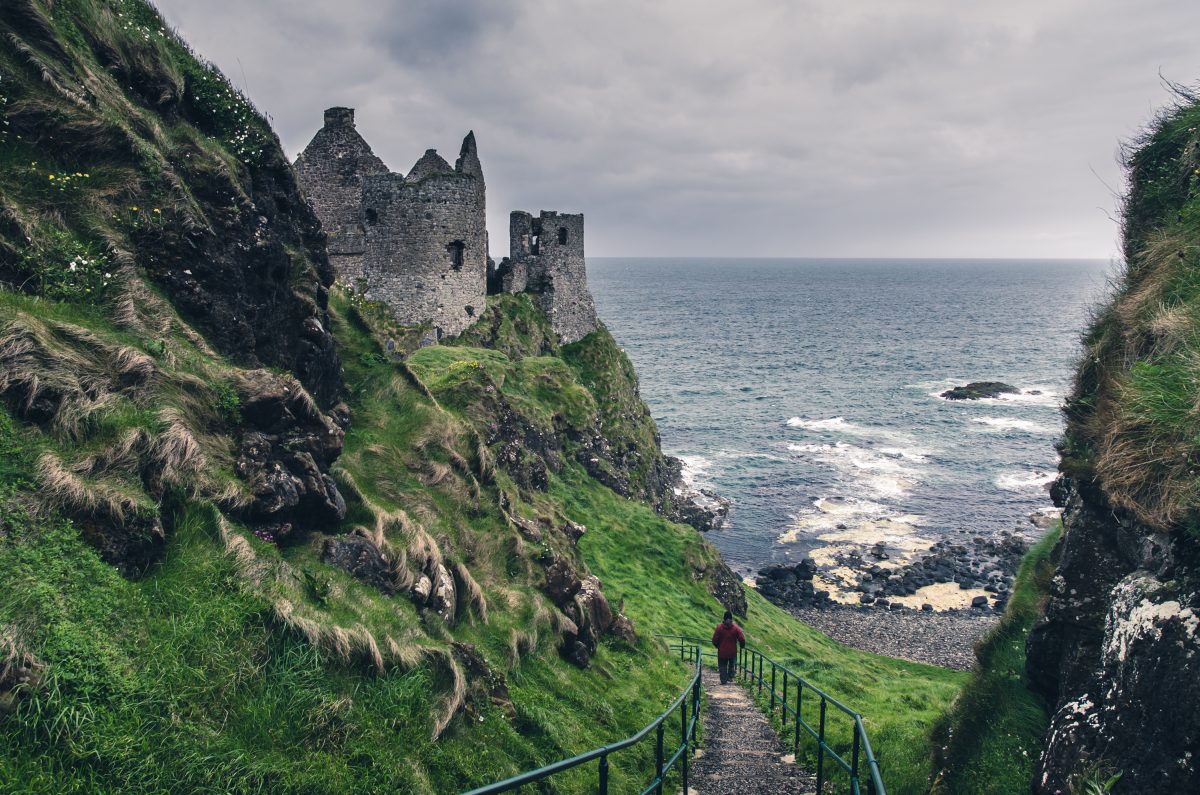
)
(807, 391)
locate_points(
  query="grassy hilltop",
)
(250, 538)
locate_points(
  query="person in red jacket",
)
(727, 637)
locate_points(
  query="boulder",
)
(362, 560)
(562, 583)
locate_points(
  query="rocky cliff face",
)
(1115, 654)
(141, 189)
(1117, 651)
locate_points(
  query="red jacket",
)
(727, 639)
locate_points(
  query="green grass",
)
(652, 564)
(989, 739)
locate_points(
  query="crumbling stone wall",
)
(331, 170)
(425, 249)
(418, 243)
(546, 259)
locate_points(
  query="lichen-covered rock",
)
(562, 582)
(1116, 653)
(287, 445)
(443, 597)
(362, 560)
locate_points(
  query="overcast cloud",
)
(888, 128)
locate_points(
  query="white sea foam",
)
(880, 473)
(831, 424)
(695, 471)
(1025, 481)
(1000, 424)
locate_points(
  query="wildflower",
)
(135, 209)
(157, 211)
(51, 176)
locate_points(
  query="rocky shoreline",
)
(914, 609)
(946, 638)
(982, 566)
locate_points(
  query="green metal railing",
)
(752, 667)
(687, 703)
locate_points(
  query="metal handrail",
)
(662, 765)
(750, 666)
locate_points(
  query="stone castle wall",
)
(331, 171)
(426, 247)
(546, 259)
(418, 243)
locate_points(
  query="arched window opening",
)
(372, 216)
(533, 244)
(562, 235)
(456, 253)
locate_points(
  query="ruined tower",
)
(546, 259)
(425, 246)
(418, 243)
(331, 171)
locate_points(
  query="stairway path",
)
(742, 755)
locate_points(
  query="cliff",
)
(255, 537)
(1114, 655)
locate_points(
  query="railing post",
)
(821, 748)
(658, 759)
(683, 736)
(772, 713)
(603, 788)
(854, 759)
(760, 673)
(799, 704)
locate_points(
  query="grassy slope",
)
(1132, 423)
(988, 741)
(234, 664)
(187, 679)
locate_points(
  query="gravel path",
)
(947, 639)
(742, 754)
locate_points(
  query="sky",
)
(757, 128)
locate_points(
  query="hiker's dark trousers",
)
(726, 667)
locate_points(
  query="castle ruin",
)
(418, 242)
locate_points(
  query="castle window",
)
(562, 235)
(456, 253)
(372, 217)
(533, 244)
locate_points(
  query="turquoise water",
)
(806, 390)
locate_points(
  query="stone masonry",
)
(331, 171)
(426, 248)
(546, 259)
(418, 243)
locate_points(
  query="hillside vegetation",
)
(1112, 653)
(252, 539)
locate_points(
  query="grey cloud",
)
(773, 127)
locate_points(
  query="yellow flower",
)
(51, 176)
(158, 211)
(134, 209)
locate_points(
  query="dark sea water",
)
(806, 390)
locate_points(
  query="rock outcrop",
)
(978, 390)
(1116, 651)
